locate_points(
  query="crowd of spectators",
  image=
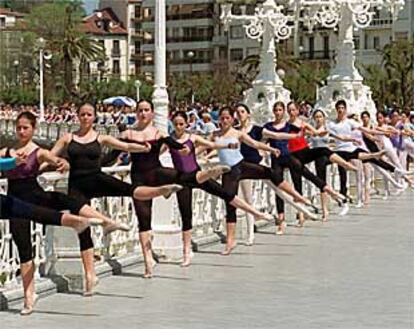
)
(203, 118)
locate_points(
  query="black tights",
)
(354, 155)
(308, 155)
(21, 213)
(246, 170)
(297, 170)
(28, 190)
(185, 200)
(157, 177)
(15, 209)
(96, 186)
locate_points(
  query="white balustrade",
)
(52, 131)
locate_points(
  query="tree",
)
(59, 24)
(393, 82)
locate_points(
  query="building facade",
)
(10, 47)
(105, 27)
(197, 41)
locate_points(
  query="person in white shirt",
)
(347, 146)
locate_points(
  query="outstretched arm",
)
(267, 134)
(123, 146)
(245, 138)
(211, 145)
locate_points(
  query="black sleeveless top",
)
(84, 159)
(249, 153)
(143, 162)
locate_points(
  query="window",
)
(236, 54)
(102, 43)
(377, 43)
(311, 47)
(366, 42)
(236, 32)
(223, 53)
(175, 32)
(116, 51)
(115, 67)
(148, 12)
(357, 43)
(2, 21)
(326, 46)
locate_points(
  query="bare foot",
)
(149, 269)
(229, 248)
(187, 259)
(90, 284)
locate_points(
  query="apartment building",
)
(105, 27)
(321, 45)
(197, 41)
(10, 47)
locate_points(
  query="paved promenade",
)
(353, 272)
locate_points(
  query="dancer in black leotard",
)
(188, 164)
(19, 211)
(147, 170)
(87, 181)
(22, 184)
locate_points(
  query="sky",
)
(90, 5)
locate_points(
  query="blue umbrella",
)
(120, 101)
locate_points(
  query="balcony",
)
(317, 55)
(182, 61)
(381, 22)
(193, 15)
(201, 38)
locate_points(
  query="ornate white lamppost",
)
(344, 80)
(269, 24)
(160, 95)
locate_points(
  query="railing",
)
(53, 131)
(208, 213)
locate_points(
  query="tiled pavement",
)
(352, 272)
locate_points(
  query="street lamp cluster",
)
(271, 23)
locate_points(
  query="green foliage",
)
(219, 86)
(304, 80)
(393, 83)
(59, 24)
(94, 91)
(19, 95)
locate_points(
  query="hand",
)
(276, 152)
(62, 165)
(185, 151)
(356, 141)
(20, 157)
(147, 148)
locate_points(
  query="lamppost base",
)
(357, 95)
(261, 98)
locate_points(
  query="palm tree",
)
(75, 46)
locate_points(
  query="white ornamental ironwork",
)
(272, 22)
(269, 24)
(344, 81)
